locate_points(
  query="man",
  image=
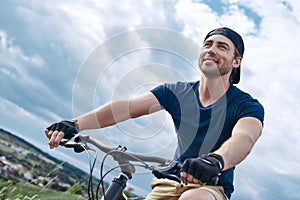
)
(216, 123)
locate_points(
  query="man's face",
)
(217, 57)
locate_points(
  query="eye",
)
(223, 47)
(207, 45)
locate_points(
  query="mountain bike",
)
(127, 161)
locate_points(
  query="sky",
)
(60, 59)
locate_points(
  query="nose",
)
(212, 50)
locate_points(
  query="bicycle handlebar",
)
(167, 169)
(79, 140)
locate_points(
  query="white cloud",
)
(20, 78)
(195, 17)
(21, 121)
(13, 56)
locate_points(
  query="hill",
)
(25, 171)
(21, 162)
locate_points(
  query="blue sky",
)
(59, 59)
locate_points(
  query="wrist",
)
(76, 124)
(219, 158)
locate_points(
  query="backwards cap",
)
(237, 40)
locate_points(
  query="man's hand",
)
(57, 131)
(202, 169)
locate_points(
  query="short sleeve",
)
(252, 109)
(165, 95)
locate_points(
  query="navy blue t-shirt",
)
(201, 130)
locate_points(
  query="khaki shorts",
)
(171, 190)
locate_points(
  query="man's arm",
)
(110, 114)
(244, 135)
(234, 150)
(118, 111)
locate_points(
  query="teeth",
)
(211, 60)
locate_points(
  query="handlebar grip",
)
(172, 172)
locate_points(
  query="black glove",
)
(205, 168)
(69, 128)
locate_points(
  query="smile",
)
(211, 59)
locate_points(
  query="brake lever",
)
(171, 171)
(214, 180)
(76, 143)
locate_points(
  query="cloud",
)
(20, 76)
(10, 54)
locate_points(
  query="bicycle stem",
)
(115, 190)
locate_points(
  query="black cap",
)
(237, 40)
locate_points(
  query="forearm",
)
(239, 145)
(118, 111)
(235, 150)
(104, 116)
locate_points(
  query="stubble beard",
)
(213, 70)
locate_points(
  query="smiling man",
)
(216, 123)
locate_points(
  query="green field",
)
(20, 191)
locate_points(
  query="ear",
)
(237, 62)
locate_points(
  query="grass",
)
(25, 191)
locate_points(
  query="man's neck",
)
(211, 90)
